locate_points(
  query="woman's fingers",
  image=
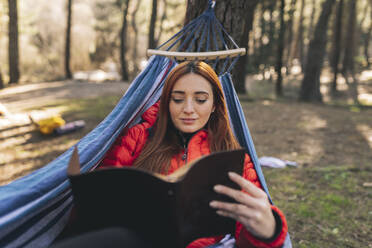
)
(258, 221)
(246, 185)
(252, 207)
(237, 195)
(227, 214)
(232, 210)
(238, 213)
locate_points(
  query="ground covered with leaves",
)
(326, 198)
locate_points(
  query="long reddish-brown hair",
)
(165, 142)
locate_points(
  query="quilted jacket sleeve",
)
(128, 146)
(245, 239)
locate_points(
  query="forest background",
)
(305, 86)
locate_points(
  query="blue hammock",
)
(35, 209)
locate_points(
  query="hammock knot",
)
(211, 4)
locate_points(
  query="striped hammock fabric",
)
(35, 208)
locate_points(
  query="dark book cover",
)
(169, 213)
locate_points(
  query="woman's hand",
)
(252, 209)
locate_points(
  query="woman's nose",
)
(189, 107)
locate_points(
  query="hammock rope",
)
(194, 41)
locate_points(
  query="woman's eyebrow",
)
(201, 93)
(178, 92)
(195, 93)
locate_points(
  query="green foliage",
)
(323, 205)
(90, 109)
(305, 211)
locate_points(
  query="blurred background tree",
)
(124, 7)
(1, 67)
(13, 52)
(1, 80)
(279, 63)
(336, 46)
(152, 42)
(68, 40)
(289, 42)
(348, 65)
(310, 87)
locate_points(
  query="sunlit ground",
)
(18, 89)
(22, 148)
(314, 125)
(366, 131)
(364, 84)
(365, 93)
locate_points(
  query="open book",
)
(169, 213)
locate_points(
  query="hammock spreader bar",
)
(190, 56)
(194, 41)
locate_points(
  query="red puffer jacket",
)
(128, 147)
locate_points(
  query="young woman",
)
(191, 121)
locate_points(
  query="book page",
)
(178, 174)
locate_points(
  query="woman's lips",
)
(188, 121)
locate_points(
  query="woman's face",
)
(191, 103)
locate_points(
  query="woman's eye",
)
(201, 100)
(177, 100)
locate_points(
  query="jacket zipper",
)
(184, 156)
(185, 147)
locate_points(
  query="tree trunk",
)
(336, 46)
(13, 49)
(312, 19)
(270, 46)
(135, 30)
(310, 34)
(68, 41)
(359, 27)
(348, 63)
(1, 80)
(239, 71)
(299, 42)
(152, 42)
(367, 38)
(194, 8)
(289, 39)
(1, 76)
(261, 54)
(123, 33)
(279, 64)
(163, 18)
(310, 87)
(231, 14)
(254, 54)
